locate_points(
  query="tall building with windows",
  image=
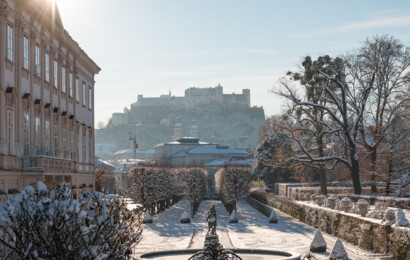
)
(46, 100)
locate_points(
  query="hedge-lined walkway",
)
(252, 231)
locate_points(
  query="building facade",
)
(46, 100)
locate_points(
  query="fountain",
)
(213, 250)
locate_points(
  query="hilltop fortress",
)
(154, 109)
(206, 113)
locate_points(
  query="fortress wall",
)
(151, 114)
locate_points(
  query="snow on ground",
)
(252, 231)
(166, 232)
(289, 234)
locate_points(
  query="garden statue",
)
(212, 221)
(213, 250)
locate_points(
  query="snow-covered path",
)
(166, 233)
(252, 231)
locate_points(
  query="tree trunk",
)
(322, 171)
(355, 174)
(192, 209)
(373, 159)
(323, 184)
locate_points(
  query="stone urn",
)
(346, 204)
(313, 197)
(390, 217)
(362, 207)
(301, 196)
(380, 209)
(332, 201)
(402, 221)
(321, 200)
(307, 196)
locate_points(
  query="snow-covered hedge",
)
(157, 187)
(192, 183)
(232, 184)
(38, 224)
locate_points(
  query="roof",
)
(185, 141)
(217, 150)
(125, 151)
(229, 161)
(99, 162)
(211, 150)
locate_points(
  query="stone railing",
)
(363, 232)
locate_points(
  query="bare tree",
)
(101, 179)
(233, 183)
(391, 62)
(35, 225)
(344, 96)
(394, 160)
(308, 125)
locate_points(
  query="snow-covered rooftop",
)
(125, 151)
(185, 141)
(99, 162)
(217, 150)
(229, 161)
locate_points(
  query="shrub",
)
(43, 225)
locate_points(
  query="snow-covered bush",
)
(155, 187)
(36, 224)
(232, 184)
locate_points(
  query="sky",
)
(151, 47)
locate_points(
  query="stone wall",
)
(365, 233)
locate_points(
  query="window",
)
(89, 98)
(77, 91)
(47, 57)
(90, 148)
(25, 52)
(63, 79)
(10, 131)
(72, 144)
(37, 135)
(78, 146)
(37, 60)
(84, 146)
(9, 43)
(71, 84)
(56, 140)
(26, 133)
(47, 141)
(55, 74)
(84, 97)
(64, 141)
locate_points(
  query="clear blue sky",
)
(150, 47)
